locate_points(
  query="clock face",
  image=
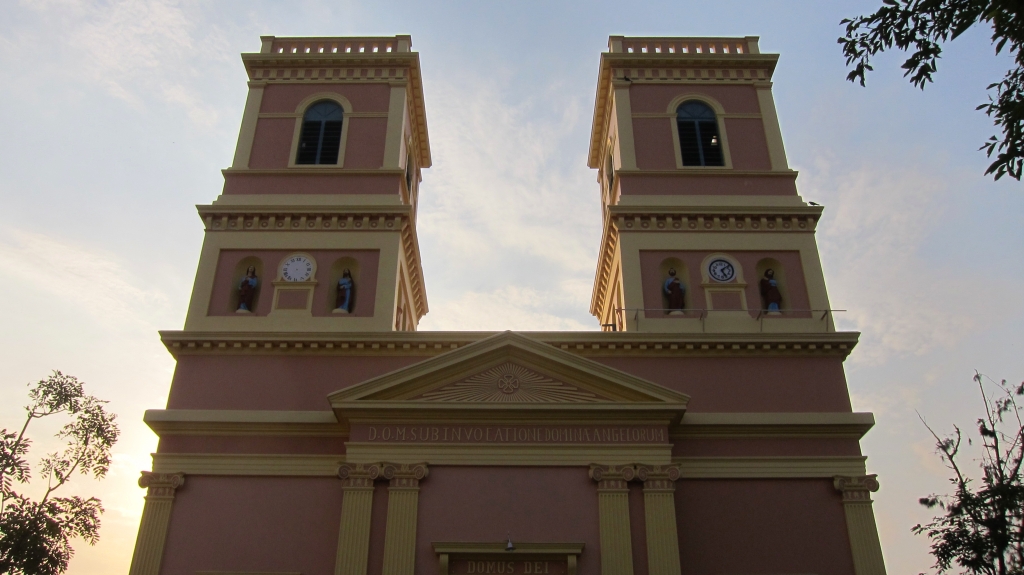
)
(297, 269)
(721, 271)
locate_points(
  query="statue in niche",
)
(770, 292)
(247, 291)
(676, 293)
(343, 301)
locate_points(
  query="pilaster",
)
(156, 515)
(613, 511)
(860, 522)
(403, 501)
(356, 511)
(247, 133)
(772, 129)
(660, 517)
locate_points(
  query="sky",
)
(116, 117)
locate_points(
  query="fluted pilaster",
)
(613, 511)
(356, 511)
(156, 515)
(660, 517)
(860, 522)
(403, 503)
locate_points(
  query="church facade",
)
(706, 428)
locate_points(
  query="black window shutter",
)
(308, 141)
(689, 145)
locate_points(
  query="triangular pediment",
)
(508, 371)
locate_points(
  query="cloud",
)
(88, 281)
(501, 210)
(132, 49)
(874, 241)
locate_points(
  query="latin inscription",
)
(507, 567)
(509, 434)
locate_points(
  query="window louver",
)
(699, 142)
(320, 138)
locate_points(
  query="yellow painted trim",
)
(772, 129)
(397, 121)
(168, 422)
(156, 517)
(508, 454)
(624, 126)
(247, 132)
(746, 425)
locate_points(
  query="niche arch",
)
(236, 279)
(337, 270)
(683, 273)
(780, 278)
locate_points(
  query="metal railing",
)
(702, 315)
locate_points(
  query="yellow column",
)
(356, 509)
(613, 512)
(156, 515)
(660, 517)
(403, 501)
(860, 523)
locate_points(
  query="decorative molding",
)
(714, 219)
(449, 553)
(509, 382)
(613, 517)
(860, 522)
(856, 488)
(247, 464)
(403, 504)
(558, 455)
(156, 517)
(768, 467)
(736, 425)
(165, 422)
(585, 344)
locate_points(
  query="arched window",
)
(320, 139)
(699, 142)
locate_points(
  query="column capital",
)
(161, 484)
(356, 475)
(658, 477)
(612, 477)
(856, 488)
(406, 475)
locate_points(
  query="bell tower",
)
(703, 228)
(315, 229)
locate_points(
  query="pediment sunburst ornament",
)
(510, 382)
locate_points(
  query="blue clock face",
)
(721, 271)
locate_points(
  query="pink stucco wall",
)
(652, 281)
(239, 182)
(748, 146)
(746, 384)
(285, 98)
(654, 99)
(762, 526)
(254, 524)
(285, 382)
(365, 292)
(533, 504)
(707, 184)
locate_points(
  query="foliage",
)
(35, 536)
(921, 26)
(982, 530)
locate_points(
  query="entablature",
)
(587, 344)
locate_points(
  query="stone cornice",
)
(762, 219)
(588, 344)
